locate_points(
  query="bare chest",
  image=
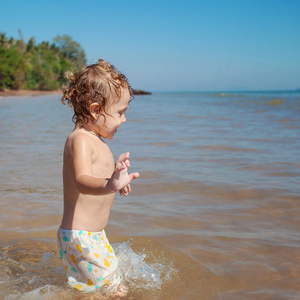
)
(102, 161)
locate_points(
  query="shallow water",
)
(215, 210)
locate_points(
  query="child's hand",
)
(120, 179)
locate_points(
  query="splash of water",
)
(137, 271)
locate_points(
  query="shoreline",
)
(32, 93)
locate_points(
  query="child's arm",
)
(88, 184)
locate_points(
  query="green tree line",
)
(38, 66)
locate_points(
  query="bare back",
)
(86, 211)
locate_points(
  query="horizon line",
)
(229, 91)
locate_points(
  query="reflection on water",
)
(215, 211)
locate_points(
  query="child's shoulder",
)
(81, 138)
(79, 135)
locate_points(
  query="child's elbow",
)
(81, 184)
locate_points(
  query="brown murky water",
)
(216, 210)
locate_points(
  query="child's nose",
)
(123, 119)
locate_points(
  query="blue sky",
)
(175, 45)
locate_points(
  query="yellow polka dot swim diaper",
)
(88, 258)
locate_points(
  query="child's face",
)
(114, 116)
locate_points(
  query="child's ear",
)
(95, 110)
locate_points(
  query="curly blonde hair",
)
(96, 83)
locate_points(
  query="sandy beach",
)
(32, 93)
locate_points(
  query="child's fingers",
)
(125, 191)
(122, 157)
(133, 176)
(120, 166)
(127, 163)
(122, 162)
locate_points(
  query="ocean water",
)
(214, 214)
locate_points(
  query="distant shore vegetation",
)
(33, 66)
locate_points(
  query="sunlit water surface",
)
(214, 214)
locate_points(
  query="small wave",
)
(226, 148)
(46, 292)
